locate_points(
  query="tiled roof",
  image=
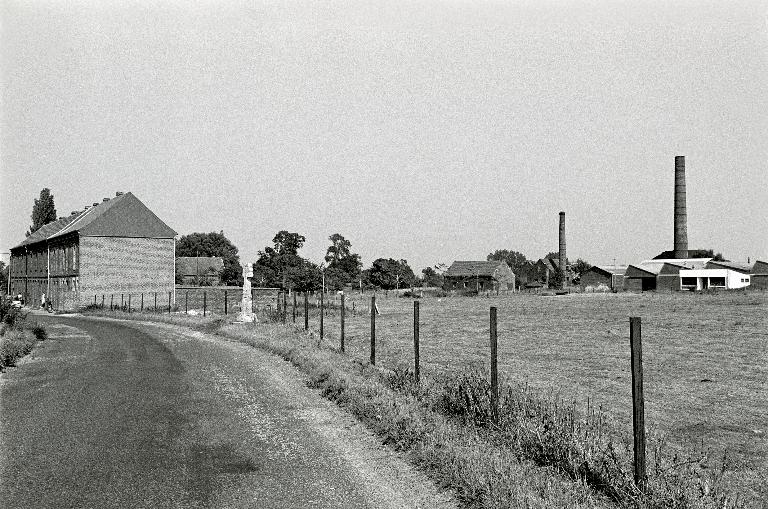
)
(738, 267)
(612, 269)
(48, 230)
(470, 268)
(122, 216)
(198, 265)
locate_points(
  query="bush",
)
(14, 345)
(38, 330)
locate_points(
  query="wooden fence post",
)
(322, 307)
(205, 303)
(122, 302)
(342, 323)
(102, 301)
(186, 302)
(129, 302)
(416, 341)
(142, 302)
(155, 302)
(111, 301)
(638, 403)
(306, 311)
(373, 330)
(226, 303)
(169, 303)
(494, 367)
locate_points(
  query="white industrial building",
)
(706, 279)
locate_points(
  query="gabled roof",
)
(48, 230)
(198, 265)
(738, 267)
(469, 268)
(760, 267)
(608, 270)
(122, 216)
(692, 253)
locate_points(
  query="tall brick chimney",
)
(562, 246)
(681, 215)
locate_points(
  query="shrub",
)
(39, 331)
(14, 345)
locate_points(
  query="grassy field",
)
(705, 359)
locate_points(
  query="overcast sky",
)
(430, 131)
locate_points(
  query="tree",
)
(580, 267)
(4, 269)
(343, 265)
(514, 259)
(556, 280)
(388, 274)
(430, 277)
(43, 211)
(213, 244)
(281, 266)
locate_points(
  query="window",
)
(717, 282)
(688, 281)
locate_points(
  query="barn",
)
(117, 246)
(610, 277)
(479, 276)
(659, 274)
(759, 275)
(199, 270)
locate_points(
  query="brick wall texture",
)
(120, 265)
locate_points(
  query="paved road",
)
(118, 414)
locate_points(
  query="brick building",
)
(479, 276)
(608, 277)
(117, 246)
(759, 275)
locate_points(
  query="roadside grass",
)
(538, 452)
(17, 336)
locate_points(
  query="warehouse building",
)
(117, 246)
(603, 278)
(759, 275)
(713, 279)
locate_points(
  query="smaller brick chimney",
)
(118, 193)
(105, 200)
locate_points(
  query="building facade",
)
(116, 247)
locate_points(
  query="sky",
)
(425, 131)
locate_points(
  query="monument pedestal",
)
(246, 305)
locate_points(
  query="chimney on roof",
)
(118, 193)
(87, 207)
(681, 215)
(95, 203)
(562, 246)
(105, 200)
(74, 212)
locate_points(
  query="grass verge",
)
(17, 335)
(536, 452)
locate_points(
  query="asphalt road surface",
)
(121, 414)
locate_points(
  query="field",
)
(705, 359)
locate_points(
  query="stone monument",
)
(246, 306)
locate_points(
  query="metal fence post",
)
(321, 314)
(306, 311)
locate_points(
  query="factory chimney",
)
(562, 246)
(681, 216)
